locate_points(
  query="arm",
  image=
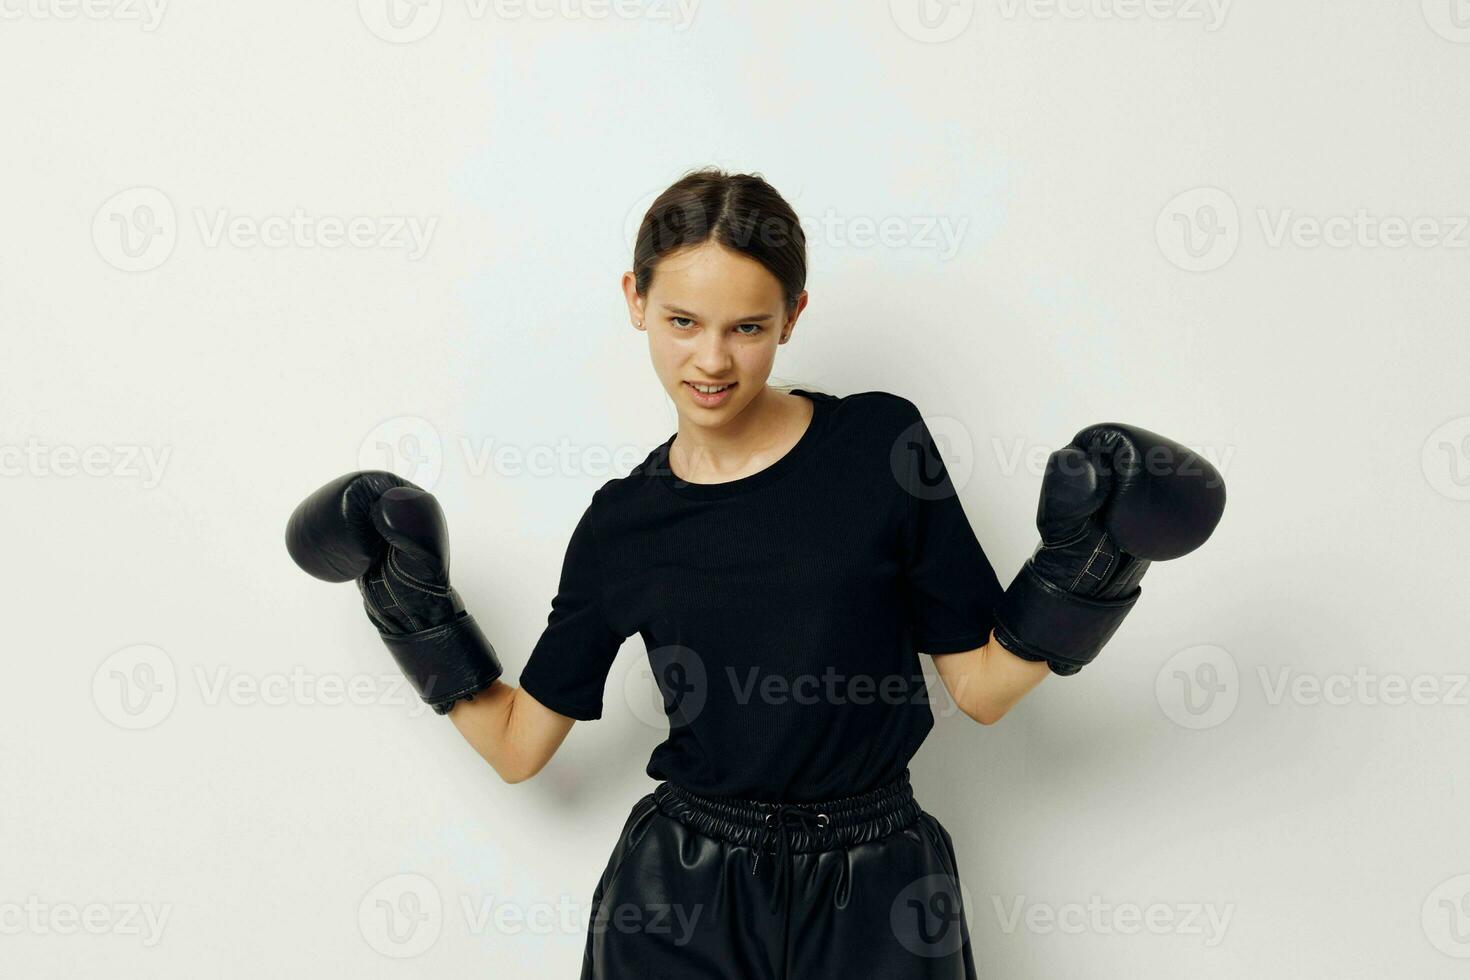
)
(1115, 500)
(392, 538)
(987, 681)
(511, 730)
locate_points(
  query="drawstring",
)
(776, 826)
(819, 825)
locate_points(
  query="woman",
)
(785, 556)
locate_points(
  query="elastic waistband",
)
(806, 826)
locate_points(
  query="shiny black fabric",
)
(712, 888)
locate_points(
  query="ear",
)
(634, 301)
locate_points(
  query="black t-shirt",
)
(783, 612)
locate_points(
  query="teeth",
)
(708, 389)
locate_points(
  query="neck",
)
(770, 425)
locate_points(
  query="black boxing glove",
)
(1115, 500)
(391, 537)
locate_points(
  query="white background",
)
(1091, 212)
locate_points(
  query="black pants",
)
(702, 888)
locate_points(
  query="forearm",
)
(1004, 680)
(510, 730)
(485, 724)
(988, 681)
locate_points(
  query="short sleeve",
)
(569, 664)
(951, 587)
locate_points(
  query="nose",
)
(712, 354)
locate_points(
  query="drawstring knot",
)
(778, 822)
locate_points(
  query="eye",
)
(674, 320)
(759, 328)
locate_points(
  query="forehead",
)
(710, 274)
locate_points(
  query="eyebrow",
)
(695, 316)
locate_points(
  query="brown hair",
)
(739, 211)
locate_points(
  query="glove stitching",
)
(412, 582)
(1097, 551)
(398, 603)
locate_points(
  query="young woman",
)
(786, 556)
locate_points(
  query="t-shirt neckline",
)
(664, 473)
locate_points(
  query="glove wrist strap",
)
(1038, 621)
(446, 663)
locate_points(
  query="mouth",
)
(709, 395)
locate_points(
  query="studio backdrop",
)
(248, 247)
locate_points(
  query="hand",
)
(391, 537)
(1113, 501)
